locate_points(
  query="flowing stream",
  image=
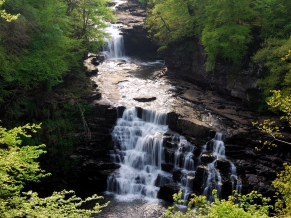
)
(146, 149)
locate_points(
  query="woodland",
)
(42, 47)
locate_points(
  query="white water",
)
(213, 179)
(235, 180)
(114, 47)
(139, 142)
(144, 143)
(140, 150)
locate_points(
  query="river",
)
(146, 149)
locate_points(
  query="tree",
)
(226, 31)
(279, 102)
(18, 164)
(8, 17)
(198, 206)
(276, 19)
(283, 185)
(89, 19)
(169, 21)
(277, 75)
(47, 42)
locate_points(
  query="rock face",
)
(132, 15)
(94, 164)
(257, 169)
(232, 80)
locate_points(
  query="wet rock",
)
(139, 112)
(187, 127)
(161, 180)
(226, 189)
(94, 61)
(100, 165)
(201, 172)
(132, 15)
(94, 97)
(223, 166)
(169, 155)
(221, 107)
(207, 158)
(92, 72)
(120, 110)
(145, 99)
(252, 179)
(167, 167)
(177, 174)
(166, 192)
(101, 58)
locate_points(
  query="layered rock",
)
(93, 162)
(132, 16)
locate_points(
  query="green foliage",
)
(280, 103)
(278, 75)
(222, 27)
(47, 42)
(89, 19)
(275, 19)
(8, 17)
(247, 207)
(169, 21)
(18, 164)
(226, 33)
(283, 185)
(59, 204)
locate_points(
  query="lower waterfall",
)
(149, 153)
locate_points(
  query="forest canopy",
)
(229, 31)
(47, 41)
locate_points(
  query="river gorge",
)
(165, 133)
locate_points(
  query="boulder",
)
(207, 157)
(199, 178)
(166, 192)
(94, 97)
(145, 99)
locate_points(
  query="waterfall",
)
(139, 148)
(236, 183)
(152, 156)
(213, 178)
(114, 46)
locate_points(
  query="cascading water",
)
(150, 154)
(236, 183)
(114, 46)
(140, 146)
(213, 179)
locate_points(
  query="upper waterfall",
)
(114, 46)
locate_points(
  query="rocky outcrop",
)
(234, 80)
(257, 169)
(145, 99)
(132, 16)
(93, 161)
